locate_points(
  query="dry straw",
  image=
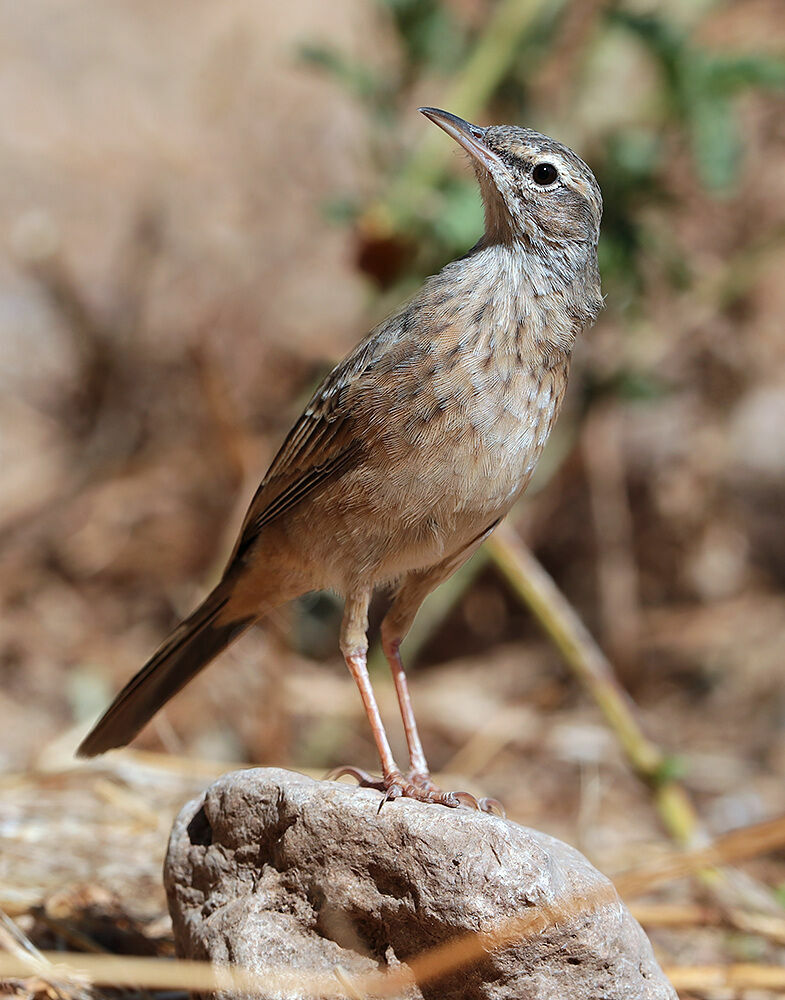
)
(104, 970)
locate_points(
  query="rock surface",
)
(272, 869)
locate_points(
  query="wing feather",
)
(330, 438)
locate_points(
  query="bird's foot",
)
(419, 786)
(422, 779)
(396, 786)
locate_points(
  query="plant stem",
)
(589, 664)
(485, 68)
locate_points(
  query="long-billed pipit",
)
(417, 444)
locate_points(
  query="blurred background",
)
(204, 205)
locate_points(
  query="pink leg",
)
(419, 773)
(417, 761)
(414, 589)
(356, 662)
(354, 645)
(392, 782)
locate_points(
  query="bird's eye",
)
(544, 173)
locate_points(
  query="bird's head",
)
(535, 190)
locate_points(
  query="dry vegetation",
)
(170, 289)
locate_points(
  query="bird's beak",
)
(471, 137)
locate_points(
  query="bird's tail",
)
(192, 645)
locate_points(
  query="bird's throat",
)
(507, 300)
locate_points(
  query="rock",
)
(271, 869)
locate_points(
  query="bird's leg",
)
(419, 772)
(395, 626)
(354, 646)
(418, 765)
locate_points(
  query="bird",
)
(415, 446)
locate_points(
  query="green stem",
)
(587, 661)
(485, 68)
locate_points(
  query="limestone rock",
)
(270, 868)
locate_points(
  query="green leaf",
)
(640, 386)
(357, 78)
(459, 221)
(715, 141)
(429, 33)
(731, 74)
(341, 209)
(673, 768)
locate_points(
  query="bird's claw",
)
(364, 780)
(484, 804)
(493, 806)
(416, 785)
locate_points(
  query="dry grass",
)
(99, 891)
(68, 972)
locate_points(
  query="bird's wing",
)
(330, 438)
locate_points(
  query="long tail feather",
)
(192, 645)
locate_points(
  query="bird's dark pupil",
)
(545, 173)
